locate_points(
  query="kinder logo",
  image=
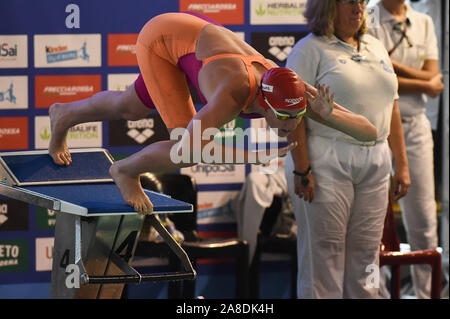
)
(44, 253)
(13, 133)
(82, 135)
(122, 49)
(13, 92)
(141, 130)
(82, 50)
(224, 12)
(65, 88)
(13, 51)
(277, 11)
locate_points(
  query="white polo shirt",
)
(422, 37)
(366, 85)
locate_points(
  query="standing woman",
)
(344, 182)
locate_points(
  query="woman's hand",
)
(321, 102)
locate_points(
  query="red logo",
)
(13, 133)
(122, 49)
(222, 11)
(51, 89)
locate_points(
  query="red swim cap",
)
(283, 88)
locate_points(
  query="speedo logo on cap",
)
(293, 101)
(267, 87)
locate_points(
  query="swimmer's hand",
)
(265, 156)
(322, 102)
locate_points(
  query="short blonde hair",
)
(321, 15)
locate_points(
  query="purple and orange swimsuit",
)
(165, 52)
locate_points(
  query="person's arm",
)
(396, 142)
(301, 163)
(431, 88)
(429, 70)
(325, 111)
(427, 80)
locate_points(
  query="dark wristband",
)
(302, 174)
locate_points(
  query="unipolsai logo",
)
(141, 130)
(281, 46)
(62, 53)
(8, 51)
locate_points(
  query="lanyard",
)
(397, 27)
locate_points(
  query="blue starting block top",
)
(31, 168)
(105, 199)
(83, 188)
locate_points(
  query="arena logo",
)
(281, 46)
(141, 130)
(3, 213)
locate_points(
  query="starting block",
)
(95, 229)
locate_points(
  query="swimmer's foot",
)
(58, 149)
(131, 190)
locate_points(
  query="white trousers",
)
(339, 233)
(419, 205)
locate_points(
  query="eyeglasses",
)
(283, 116)
(354, 2)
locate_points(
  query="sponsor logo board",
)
(13, 133)
(13, 51)
(13, 215)
(64, 50)
(215, 207)
(14, 255)
(275, 45)
(13, 92)
(216, 174)
(136, 133)
(222, 11)
(45, 219)
(82, 135)
(120, 82)
(44, 253)
(277, 11)
(51, 89)
(122, 49)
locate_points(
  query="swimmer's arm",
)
(218, 111)
(341, 119)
